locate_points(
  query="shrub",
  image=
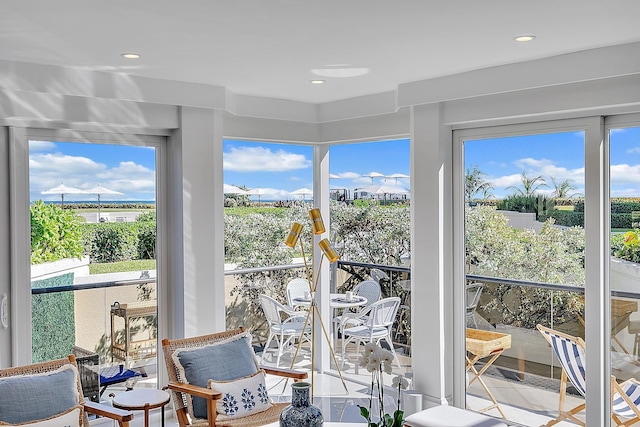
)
(529, 204)
(147, 240)
(626, 246)
(553, 255)
(147, 217)
(566, 218)
(55, 234)
(111, 242)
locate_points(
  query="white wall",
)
(5, 235)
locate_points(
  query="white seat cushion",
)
(451, 416)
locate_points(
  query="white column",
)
(197, 191)
(5, 248)
(431, 313)
(321, 201)
(597, 301)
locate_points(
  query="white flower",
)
(370, 348)
(364, 361)
(400, 381)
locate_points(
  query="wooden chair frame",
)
(121, 417)
(180, 390)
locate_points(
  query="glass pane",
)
(267, 187)
(371, 227)
(524, 237)
(93, 255)
(625, 252)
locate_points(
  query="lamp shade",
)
(294, 235)
(316, 219)
(328, 251)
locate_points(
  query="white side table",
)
(142, 399)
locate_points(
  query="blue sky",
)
(282, 168)
(558, 155)
(277, 168)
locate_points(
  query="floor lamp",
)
(312, 278)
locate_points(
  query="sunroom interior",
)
(590, 87)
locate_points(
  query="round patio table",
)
(142, 399)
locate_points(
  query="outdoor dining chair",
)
(570, 351)
(286, 326)
(474, 290)
(208, 373)
(369, 289)
(297, 288)
(374, 324)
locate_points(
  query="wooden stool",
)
(142, 400)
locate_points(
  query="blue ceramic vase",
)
(301, 413)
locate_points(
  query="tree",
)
(562, 189)
(475, 182)
(553, 255)
(55, 234)
(529, 185)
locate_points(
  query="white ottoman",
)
(451, 416)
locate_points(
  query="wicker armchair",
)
(181, 391)
(122, 417)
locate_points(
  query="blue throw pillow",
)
(223, 361)
(38, 396)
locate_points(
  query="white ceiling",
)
(269, 47)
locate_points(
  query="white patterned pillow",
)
(242, 397)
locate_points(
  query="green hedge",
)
(567, 218)
(572, 219)
(53, 321)
(120, 241)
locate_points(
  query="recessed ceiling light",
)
(316, 82)
(131, 55)
(340, 72)
(524, 38)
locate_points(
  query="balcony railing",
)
(507, 306)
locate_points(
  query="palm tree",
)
(561, 189)
(529, 185)
(475, 183)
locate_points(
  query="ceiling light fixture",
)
(316, 82)
(130, 55)
(340, 72)
(525, 38)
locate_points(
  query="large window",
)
(624, 272)
(524, 195)
(93, 228)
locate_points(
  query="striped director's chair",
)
(570, 350)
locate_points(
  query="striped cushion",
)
(620, 407)
(572, 359)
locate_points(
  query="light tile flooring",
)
(528, 406)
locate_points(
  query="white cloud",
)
(48, 170)
(548, 169)
(36, 146)
(625, 174)
(254, 159)
(349, 175)
(634, 150)
(505, 181)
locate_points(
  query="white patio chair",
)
(371, 325)
(297, 288)
(285, 329)
(474, 290)
(370, 289)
